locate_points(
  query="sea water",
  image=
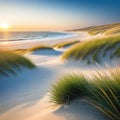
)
(34, 36)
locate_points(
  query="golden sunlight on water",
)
(4, 43)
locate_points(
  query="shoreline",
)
(25, 44)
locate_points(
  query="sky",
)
(37, 15)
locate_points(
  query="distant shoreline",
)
(29, 43)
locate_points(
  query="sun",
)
(4, 26)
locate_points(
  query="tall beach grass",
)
(10, 62)
(40, 47)
(32, 49)
(94, 50)
(65, 44)
(102, 91)
(108, 29)
(21, 51)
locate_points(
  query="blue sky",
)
(58, 14)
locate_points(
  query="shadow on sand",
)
(78, 110)
(27, 87)
(47, 52)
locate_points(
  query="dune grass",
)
(68, 88)
(40, 47)
(21, 51)
(101, 91)
(108, 29)
(94, 50)
(32, 49)
(65, 44)
(113, 31)
(10, 62)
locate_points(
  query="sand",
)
(26, 96)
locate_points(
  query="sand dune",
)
(25, 96)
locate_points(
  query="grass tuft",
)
(21, 51)
(40, 47)
(94, 49)
(65, 44)
(32, 49)
(101, 91)
(10, 61)
(68, 88)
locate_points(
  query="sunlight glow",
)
(4, 26)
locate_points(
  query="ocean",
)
(34, 36)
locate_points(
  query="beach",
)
(59, 60)
(26, 95)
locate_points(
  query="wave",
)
(34, 36)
